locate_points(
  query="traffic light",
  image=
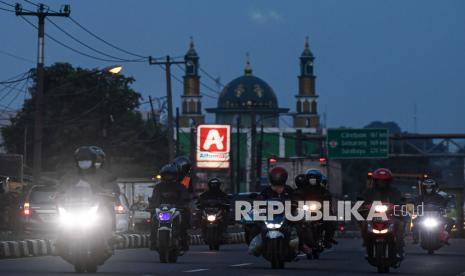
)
(271, 161)
(323, 161)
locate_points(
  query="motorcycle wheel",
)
(79, 268)
(163, 246)
(173, 257)
(91, 268)
(380, 249)
(276, 262)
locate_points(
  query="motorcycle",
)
(81, 240)
(213, 224)
(432, 233)
(167, 220)
(278, 242)
(381, 244)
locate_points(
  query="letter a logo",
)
(213, 138)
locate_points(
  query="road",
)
(345, 259)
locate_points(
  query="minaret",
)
(306, 110)
(191, 111)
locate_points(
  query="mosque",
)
(251, 102)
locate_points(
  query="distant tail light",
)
(119, 209)
(27, 210)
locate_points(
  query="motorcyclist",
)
(278, 189)
(383, 191)
(430, 196)
(185, 169)
(314, 189)
(101, 185)
(214, 193)
(171, 191)
(215, 197)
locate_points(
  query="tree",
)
(87, 107)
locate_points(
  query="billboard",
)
(213, 146)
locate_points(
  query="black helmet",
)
(214, 184)
(277, 176)
(184, 166)
(301, 181)
(169, 173)
(429, 186)
(85, 157)
(100, 156)
(314, 176)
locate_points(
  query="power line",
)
(89, 47)
(8, 4)
(15, 56)
(216, 80)
(14, 81)
(106, 42)
(70, 48)
(201, 84)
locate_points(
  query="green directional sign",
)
(358, 143)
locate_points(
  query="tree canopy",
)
(88, 107)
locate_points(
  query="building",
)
(252, 102)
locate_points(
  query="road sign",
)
(358, 143)
(213, 146)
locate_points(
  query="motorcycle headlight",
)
(381, 208)
(82, 219)
(211, 218)
(164, 216)
(273, 225)
(430, 223)
(383, 231)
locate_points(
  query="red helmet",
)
(382, 174)
(277, 176)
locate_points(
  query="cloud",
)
(264, 16)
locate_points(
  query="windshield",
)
(38, 197)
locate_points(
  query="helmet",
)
(382, 178)
(169, 173)
(429, 186)
(85, 157)
(214, 184)
(277, 176)
(301, 181)
(314, 176)
(184, 166)
(100, 157)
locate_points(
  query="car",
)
(123, 214)
(39, 212)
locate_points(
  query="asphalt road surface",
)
(344, 259)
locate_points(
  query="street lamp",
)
(113, 69)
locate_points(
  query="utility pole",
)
(253, 152)
(238, 154)
(167, 63)
(41, 14)
(177, 131)
(152, 111)
(259, 160)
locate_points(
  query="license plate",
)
(47, 217)
(274, 234)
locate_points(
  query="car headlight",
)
(430, 223)
(211, 218)
(273, 225)
(381, 208)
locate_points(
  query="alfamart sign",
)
(213, 146)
